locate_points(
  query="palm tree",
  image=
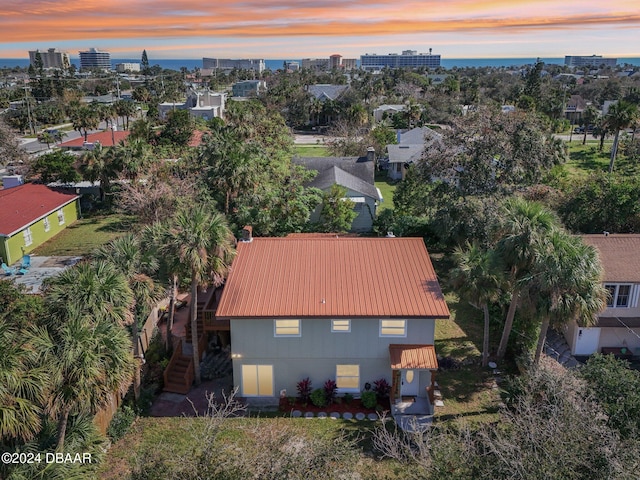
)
(24, 380)
(101, 164)
(526, 225)
(589, 116)
(87, 306)
(621, 115)
(91, 359)
(567, 283)
(202, 242)
(128, 255)
(94, 288)
(477, 282)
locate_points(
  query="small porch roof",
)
(413, 357)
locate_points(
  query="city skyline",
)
(305, 28)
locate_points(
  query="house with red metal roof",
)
(31, 214)
(108, 138)
(348, 309)
(618, 327)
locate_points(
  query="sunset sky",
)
(313, 28)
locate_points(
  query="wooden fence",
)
(104, 415)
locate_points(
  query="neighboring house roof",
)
(404, 153)
(335, 175)
(332, 277)
(105, 139)
(21, 206)
(619, 254)
(361, 167)
(324, 92)
(418, 136)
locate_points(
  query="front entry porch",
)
(413, 385)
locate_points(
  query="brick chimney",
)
(371, 154)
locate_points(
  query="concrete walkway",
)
(412, 416)
(556, 347)
(195, 403)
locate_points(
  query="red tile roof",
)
(413, 357)
(105, 138)
(619, 254)
(21, 206)
(332, 277)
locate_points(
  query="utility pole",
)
(26, 99)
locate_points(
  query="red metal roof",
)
(332, 277)
(619, 254)
(23, 205)
(413, 357)
(104, 138)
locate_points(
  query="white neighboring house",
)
(618, 327)
(389, 110)
(409, 150)
(206, 105)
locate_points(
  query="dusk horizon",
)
(301, 29)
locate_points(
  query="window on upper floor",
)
(287, 328)
(341, 326)
(619, 295)
(393, 328)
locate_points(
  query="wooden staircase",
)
(178, 376)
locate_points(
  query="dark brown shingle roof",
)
(332, 277)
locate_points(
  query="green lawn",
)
(586, 159)
(306, 150)
(387, 187)
(85, 235)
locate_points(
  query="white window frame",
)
(261, 388)
(615, 295)
(393, 327)
(46, 224)
(340, 376)
(341, 325)
(28, 236)
(287, 327)
(60, 217)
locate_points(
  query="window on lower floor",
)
(47, 225)
(341, 326)
(348, 377)
(287, 328)
(393, 328)
(619, 295)
(257, 380)
(28, 239)
(60, 217)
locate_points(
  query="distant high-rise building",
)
(349, 63)
(292, 66)
(408, 59)
(257, 65)
(315, 63)
(589, 61)
(94, 58)
(335, 61)
(127, 67)
(52, 58)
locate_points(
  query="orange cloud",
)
(39, 21)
